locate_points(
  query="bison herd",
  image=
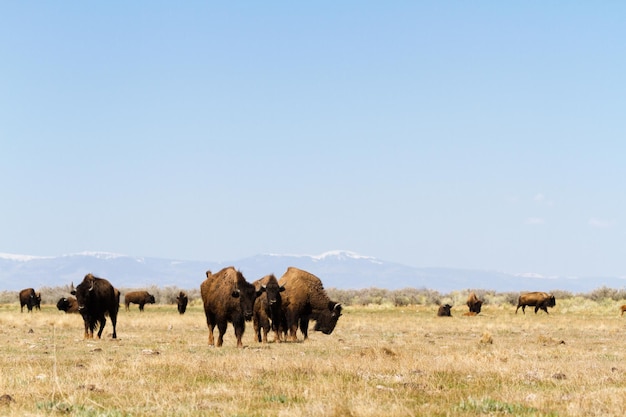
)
(539, 300)
(281, 305)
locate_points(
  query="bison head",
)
(63, 304)
(246, 295)
(272, 291)
(327, 319)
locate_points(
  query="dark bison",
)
(138, 297)
(268, 312)
(444, 311)
(539, 300)
(96, 297)
(181, 301)
(69, 305)
(474, 303)
(30, 299)
(304, 299)
(227, 297)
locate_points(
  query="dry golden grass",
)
(379, 361)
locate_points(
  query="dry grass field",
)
(380, 361)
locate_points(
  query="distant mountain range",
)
(338, 269)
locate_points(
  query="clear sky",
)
(487, 135)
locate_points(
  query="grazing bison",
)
(30, 299)
(304, 298)
(474, 303)
(268, 308)
(138, 297)
(181, 301)
(444, 311)
(96, 297)
(69, 305)
(227, 297)
(539, 300)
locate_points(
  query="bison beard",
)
(96, 297)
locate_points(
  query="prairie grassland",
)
(379, 361)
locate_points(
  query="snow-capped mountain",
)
(338, 269)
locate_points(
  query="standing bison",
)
(539, 300)
(96, 297)
(474, 303)
(304, 298)
(138, 297)
(69, 305)
(30, 299)
(227, 297)
(268, 308)
(181, 302)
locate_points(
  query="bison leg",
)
(141, 306)
(239, 329)
(304, 326)
(103, 321)
(257, 328)
(114, 323)
(221, 327)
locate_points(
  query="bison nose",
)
(248, 315)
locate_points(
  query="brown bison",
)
(138, 297)
(69, 305)
(474, 303)
(539, 300)
(30, 299)
(96, 297)
(304, 298)
(444, 311)
(622, 309)
(227, 297)
(268, 308)
(181, 302)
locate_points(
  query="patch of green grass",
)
(491, 406)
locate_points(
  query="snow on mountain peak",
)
(340, 254)
(21, 258)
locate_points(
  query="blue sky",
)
(487, 135)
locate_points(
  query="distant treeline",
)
(361, 297)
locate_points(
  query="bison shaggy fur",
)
(96, 298)
(227, 297)
(304, 299)
(268, 312)
(444, 311)
(68, 304)
(539, 300)
(138, 297)
(181, 302)
(29, 298)
(474, 303)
